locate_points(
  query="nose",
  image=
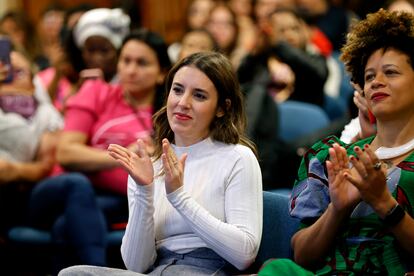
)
(185, 100)
(131, 69)
(378, 81)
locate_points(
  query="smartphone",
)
(5, 48)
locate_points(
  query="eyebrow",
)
(384, 66)
(196, 89)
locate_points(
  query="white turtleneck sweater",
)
(219, 206)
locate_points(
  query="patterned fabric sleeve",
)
(310, 194)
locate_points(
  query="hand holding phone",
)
(6, 72)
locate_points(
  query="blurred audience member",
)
(23, 35)
(102, 36)
(292, 72)
(197, 15)
(49, 27)
(222, 24)
(198, 40)
(29, 128)
(333, 21)
(99, 33)
(400, 5)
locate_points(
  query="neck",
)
(394, 133)
(187, 141)
(139, 99)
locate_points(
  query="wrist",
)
(393, 216)
(383, 207)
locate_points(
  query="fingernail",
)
(366, 146)
(357, 148)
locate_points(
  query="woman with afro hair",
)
(355, 201)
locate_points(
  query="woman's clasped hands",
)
(138, 164)
(365, 180)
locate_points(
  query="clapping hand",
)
(344, 195)
(137, 163)
(370, 179)
(173, 168)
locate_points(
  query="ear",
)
(220, 112)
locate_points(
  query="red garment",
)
(321, 41)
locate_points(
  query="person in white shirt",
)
(195, 206)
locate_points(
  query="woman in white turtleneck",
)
(196, 207)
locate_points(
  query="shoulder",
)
(93, 93)
(235, 152)
(321, 148)
(96, 87)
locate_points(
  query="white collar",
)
(388, 153)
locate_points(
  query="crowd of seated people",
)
(84, 80)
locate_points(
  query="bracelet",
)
(394, 216)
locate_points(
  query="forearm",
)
(237, 242)
(138, 244)
(80, 157)
(311, 244)
(403, 230)
(31, 172)
(404, 233)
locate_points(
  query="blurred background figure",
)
(223, 25)
(332, 20)
(89, 51)
(29, 131)
(197, 40)
(49, 28)
(400, 5)
(196, 17)
(23, 35)
(198, 13)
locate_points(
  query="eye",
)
(201, 96)
(390, 72)
(126, 60)
(177, 90)
(142, 62)
(369, 77)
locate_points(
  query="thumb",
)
(183, 159)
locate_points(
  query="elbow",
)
(128, 262)
(247, 259)
(245, 263)
(134, 262)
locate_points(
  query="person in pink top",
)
(98, 115)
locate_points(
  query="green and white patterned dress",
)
(364, 246)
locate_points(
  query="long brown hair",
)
(230, 127)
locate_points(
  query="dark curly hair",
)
(380, 30)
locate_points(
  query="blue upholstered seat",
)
(278, 228)
(298, 119)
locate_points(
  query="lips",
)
(182, 116)
(378, 96)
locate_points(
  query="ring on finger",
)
(377, 166)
